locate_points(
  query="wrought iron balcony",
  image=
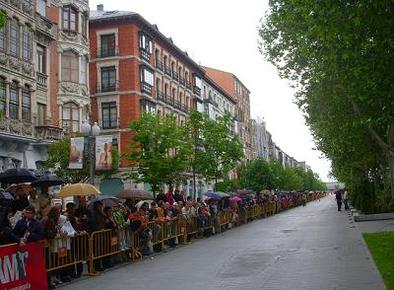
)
(188, 85)
(108, 87)
(145, 55)
(159, 65)
(108, 52)
(167, 70)
(174, 75)
(197, 90)
(146, 88)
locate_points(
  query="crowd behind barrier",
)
(88, 239)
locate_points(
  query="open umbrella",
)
(106, 200)
(47, 180)
(134, 194)
(78, 189)
(213, 195)
(17, 175)
(6, 198)
(19, 189)
(235, 199)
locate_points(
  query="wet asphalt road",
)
(313, 247)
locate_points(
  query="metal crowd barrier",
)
(64, 252)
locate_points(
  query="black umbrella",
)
(48, 180)
(17, 175)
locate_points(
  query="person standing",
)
(338, 197)
(346, 199)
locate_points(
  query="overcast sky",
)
(223, 34)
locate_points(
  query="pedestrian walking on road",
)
(346, 199)
(338, 197)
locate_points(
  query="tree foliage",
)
(260, 174)
(158, 150)
(336, 54)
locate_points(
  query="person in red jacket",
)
(170, 196)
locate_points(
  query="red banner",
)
(23, 267)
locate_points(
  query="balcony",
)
(159, 65)
(161, 97)
(182, 81)
(107, 88)
(16, 127)
(188, 85)
(146, 88)
(197, 90)
(174, 75)
(167, 70)
(49, 133)
(42, 80)
(145, 55)
(109, 52)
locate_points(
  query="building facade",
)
(38, 77)
(134, 68)
(217, 102)
(237, 91)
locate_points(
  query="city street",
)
(312, 247)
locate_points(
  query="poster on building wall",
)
(103, 152)
(76, 153)
(23, 267)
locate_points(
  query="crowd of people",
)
(30, 217)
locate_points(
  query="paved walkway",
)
(309, 248)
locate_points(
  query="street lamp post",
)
(90, 132)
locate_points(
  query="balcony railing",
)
(102, 53)
(17, 127)
(146, 88)
(106, 88)
(42, 79)
(49, 133)
(167, 70)
(159, 65)
(182, 81)
(145, 55)
(188, 85)
(197, 90)
(166, 99)
(174, 75)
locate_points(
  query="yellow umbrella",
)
(78, 189)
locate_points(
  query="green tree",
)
(158, 150)
(336, 54)
(220, 152)
(257, 175)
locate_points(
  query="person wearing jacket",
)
(28, 229)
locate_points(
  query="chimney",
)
(100, 7)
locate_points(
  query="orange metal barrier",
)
(63, 252)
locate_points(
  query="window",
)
(108, 79)
(70, 21)
(70, 70)
(173, 94)
(71, 117)
(13, 107)
(107, 45)
(197, 82)
(166, 90)
(148, 107)
(3, 39)
(146, 80)
(84, 75)
(41, 7)
(41, 114)
(2, 95)
(26, 48)
(157, 86)
(84, 24)
(14, 38)
(26, 103)
(41, 59)
(145, 42)
(109, 115)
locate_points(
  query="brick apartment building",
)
(237, 91)
(135, 68)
